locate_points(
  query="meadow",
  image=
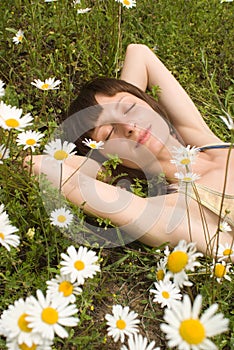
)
(59, 40)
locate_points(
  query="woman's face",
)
(130, 128)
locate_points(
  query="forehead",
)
(120, 96)
(102, 99)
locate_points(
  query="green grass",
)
(195, 40)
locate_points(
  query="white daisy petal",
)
(7, 236)
(138, 342)
(93, 144)
(10, 117)
(48, 84)
(45, 315)
(18, 38)
(180, 260)
(29, 139)
(121, 323)
(61, 217)
(220, 270)
(59, 151)
(62, 284)
(2, 90)
(15, 325)
(80, 264)
(192, 332)
(166, 293)
(127, 3)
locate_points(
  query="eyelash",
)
(128, 110)
(108, 136)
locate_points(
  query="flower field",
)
(60, 290)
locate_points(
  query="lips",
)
(144, 136)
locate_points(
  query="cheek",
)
(132, 157)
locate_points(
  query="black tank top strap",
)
(214, 146)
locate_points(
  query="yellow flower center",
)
(121, 324)
(79, 265)
(160, 275)
(185, 161)
(192, 331)
(20, 37)
(24, 346)
(12, 123)
(219, 270)
(44, 86)
(61, 218)
(31, 142)
(1, 154)
(177, 261)
(49, 315)
(165, 294)
(92, 145)
(2, 235)
(23, 324)
(60, 155)
(227, 252)
(66, 288)
(187, 179)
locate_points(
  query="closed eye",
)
(109, 135)
(130, 108)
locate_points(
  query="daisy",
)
(18, 38)
(47, 315)
(182, 259)
(122, 322)
(161, 269)
(128, 3)
(184, 155)
(29, 139)
(59, 151)
(225, 251)
(224, 227)
(187, 177)
(2, 90)
(93, 144)
(138, 342)
(80, 11)
(4, 153)
(44, 345)
(10, 117)
(186, 330)
(7, 238)
(62, 284)
(166, 293)
(15, 325)
(61, 217)
(48, 84)
(79, 264)
(220, 270)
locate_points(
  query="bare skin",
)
(159, 219)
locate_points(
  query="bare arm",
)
(153, 221)
(144, 69)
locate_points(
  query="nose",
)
(127, 129)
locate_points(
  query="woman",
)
(134, 126)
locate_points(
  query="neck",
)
(164, 165)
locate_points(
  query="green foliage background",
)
(194, 38)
